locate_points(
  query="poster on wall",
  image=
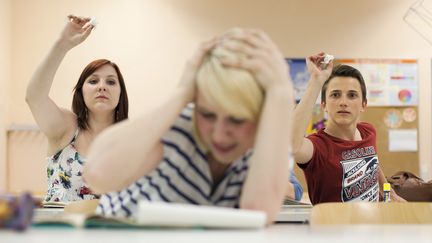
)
(299, 76)
(390, 82)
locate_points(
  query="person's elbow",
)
(270, 203)
(96, 169)
(297, 148)
(270, 209)
(30, 95)
(94, 177)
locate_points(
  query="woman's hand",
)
(77, 29)
(261, 57)
(314, 66)
(188, 78)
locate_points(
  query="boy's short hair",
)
(344, 71)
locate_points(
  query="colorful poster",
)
(299, 75)
(390, 82)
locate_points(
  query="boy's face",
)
(344, 100)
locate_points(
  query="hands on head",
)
(253, 50)
(258, 54)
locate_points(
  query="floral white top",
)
(65, 181)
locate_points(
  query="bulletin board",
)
(391, 161)
(392, 106)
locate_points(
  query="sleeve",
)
(298, 189)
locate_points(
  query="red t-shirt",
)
(341, 170)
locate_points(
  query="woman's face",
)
(101, 90)
(226, 137)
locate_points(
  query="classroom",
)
(151, 41)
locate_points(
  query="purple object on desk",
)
(21, 211)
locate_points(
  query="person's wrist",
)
(186, 93)
(62, 46)
(317, 78)
(282, 89)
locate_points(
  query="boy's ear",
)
(323, 106)
(364, 105)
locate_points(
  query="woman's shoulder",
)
(182, 134)
(187, 112)
(185, 118)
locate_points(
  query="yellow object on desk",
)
(5, 211)
(386, 190)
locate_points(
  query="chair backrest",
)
(371, 213)
(85, 207)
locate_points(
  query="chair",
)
(371, 213)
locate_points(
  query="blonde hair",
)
(233, 90)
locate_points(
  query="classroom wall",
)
(151, 40)
(5, 80)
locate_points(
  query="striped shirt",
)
(183, 176)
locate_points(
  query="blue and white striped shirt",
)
(183, 176)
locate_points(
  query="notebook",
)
(54, 204)
(156, 214)
(185, 215)
(293, 211)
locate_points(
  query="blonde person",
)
(229, 147)
(99, 100)
(340, 162)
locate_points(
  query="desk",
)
(286, 233)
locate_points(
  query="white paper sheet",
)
(403, 140)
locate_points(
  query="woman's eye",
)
(111, 82)
(208, 116)
(236, 121)
(93, 81)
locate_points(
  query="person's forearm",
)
(41, 81)
(266, 182)
(303, 113)
(393, 195)
(290, 191)
(125, 152)
(381, 180)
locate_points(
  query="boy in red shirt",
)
(340, 162)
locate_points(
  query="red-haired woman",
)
(100, 100)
